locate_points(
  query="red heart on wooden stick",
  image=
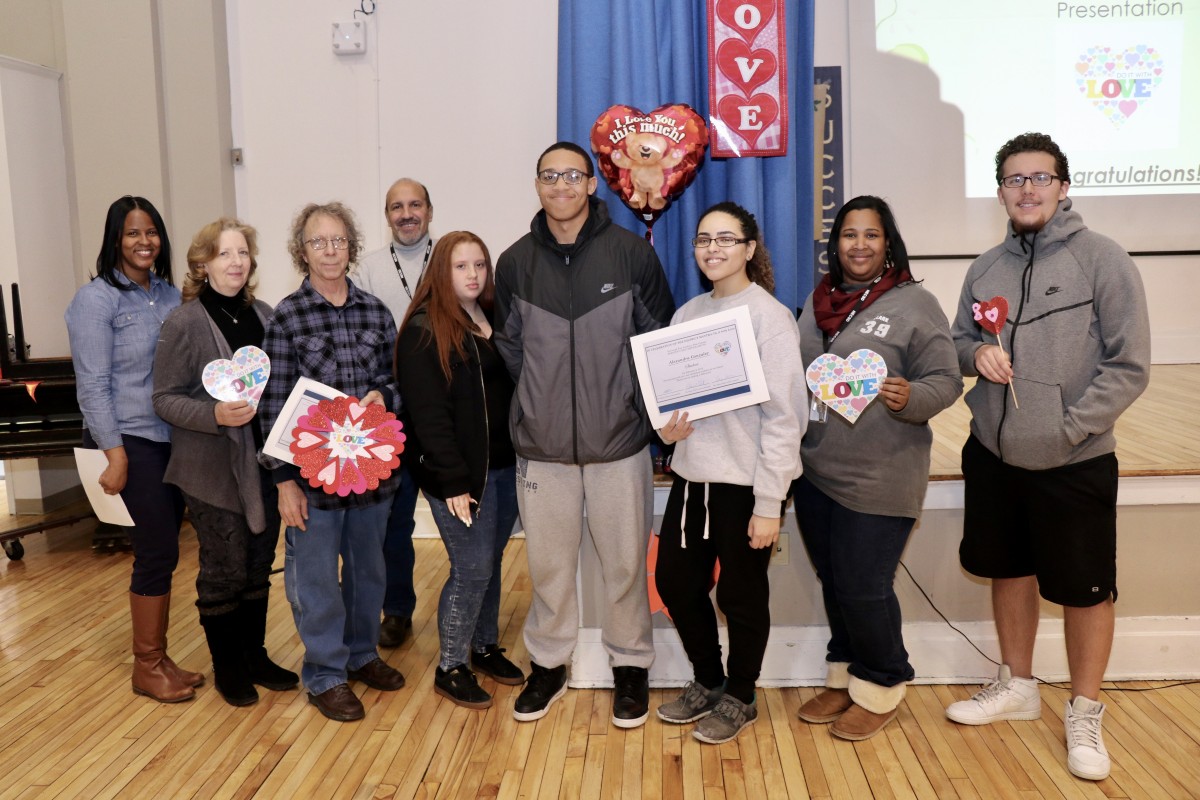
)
(747, 68)
(991, 314)
(747, 17)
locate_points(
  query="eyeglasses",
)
(1037, 179)
(319, 243)
(700, 242)
(571, 176)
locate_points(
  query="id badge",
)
(818, 411)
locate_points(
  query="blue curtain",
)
(647, 53)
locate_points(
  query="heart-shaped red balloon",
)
(991, 314)
(748, 69)
(748, 125)
(747, 17)
(649, 159)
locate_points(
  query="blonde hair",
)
(204, 248)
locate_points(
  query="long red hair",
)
(446, 321)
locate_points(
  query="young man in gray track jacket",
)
(569, 294)
(1040, 467)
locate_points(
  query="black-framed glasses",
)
(700, 242)
(571, 176)
(319, 243)
(1037, 179)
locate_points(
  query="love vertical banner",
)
(747, 78)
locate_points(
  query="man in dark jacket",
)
(569, 294)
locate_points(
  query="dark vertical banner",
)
(828, 164)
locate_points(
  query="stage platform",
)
(1158, 436)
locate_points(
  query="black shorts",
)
(1057, 524)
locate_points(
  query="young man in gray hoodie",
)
(1040, 467)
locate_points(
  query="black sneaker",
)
(631, 696)
(541, 690)
(458, 685)
(491, 662)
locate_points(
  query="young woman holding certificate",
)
(732, 473)
(864, 482)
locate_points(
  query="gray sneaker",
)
(727, 720)
(695, 703)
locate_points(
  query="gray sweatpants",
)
(619, 498)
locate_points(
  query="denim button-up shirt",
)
(114, 334)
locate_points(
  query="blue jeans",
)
(855, 556)
(469, 609)
(339, 626)
(400, 600)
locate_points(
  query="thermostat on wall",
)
(349, 38)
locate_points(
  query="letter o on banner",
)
(747, 17)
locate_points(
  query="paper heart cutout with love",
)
(342, 446)
(991, 314)
(847, 385)
(241, 378)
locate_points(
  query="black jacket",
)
(564, 316)
(446, 423)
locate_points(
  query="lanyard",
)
(400, 271)
(853, 312)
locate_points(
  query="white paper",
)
(109, 508)
(705, 366)
(304, 394)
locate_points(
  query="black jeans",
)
(684, 575)
(157, 512)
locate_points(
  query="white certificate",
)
(704, 366)
(304, 394)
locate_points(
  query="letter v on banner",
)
(747, 78)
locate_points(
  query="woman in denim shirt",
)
(113, 323)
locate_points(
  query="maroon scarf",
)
(832, 304)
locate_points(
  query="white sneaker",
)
(1086, 756)
(1006, 698)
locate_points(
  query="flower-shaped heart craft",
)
(241, 378)
(991, 314)
(342, 446)
(847, 385)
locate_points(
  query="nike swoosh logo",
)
(1053, 290)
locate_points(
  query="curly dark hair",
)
(1033, 143)
(758, 268)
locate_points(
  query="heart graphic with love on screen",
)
(1119, 82)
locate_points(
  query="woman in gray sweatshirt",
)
(732, 474)
(864, 481)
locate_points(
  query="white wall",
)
(462, 101)
(34, 204)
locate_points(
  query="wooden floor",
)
(71, 728)
(1158, 435)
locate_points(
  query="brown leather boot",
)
(827, 706)
(151, 676)
(192, 679)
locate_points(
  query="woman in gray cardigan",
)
(233, 508)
